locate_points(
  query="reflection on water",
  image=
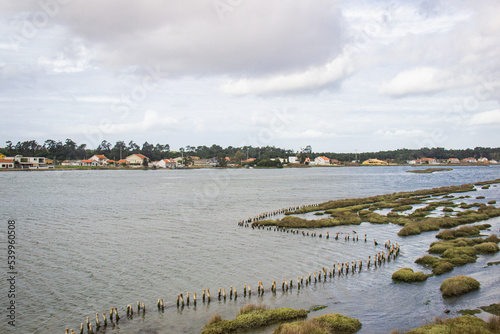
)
(91, 240)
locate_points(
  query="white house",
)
(166, 163)
(89, 162)
(70, 163)
(293, 160)
(470, 160)
(322, 161)
(6, 163)
(136, 159)
(483, 160)
(101, 159)
(30, 162)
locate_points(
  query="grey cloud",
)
(189, 37)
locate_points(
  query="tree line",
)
(70, 150)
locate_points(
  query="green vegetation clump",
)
(375, 218)
(492, 201)
(486, 248)
(486, 187)
(254, 319)
(463, 324)
(429, 170)
(327, 323)
(493, 309)
(408, 275)
(447, 209)
(459, 285)
(402, 208)
(480, 197)
(251, 308)
(464, 231)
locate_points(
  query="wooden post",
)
(203, 295)
(116, 313)
(105, 320)
(97, 325)
(143, 308)
(194, 298)
(235, 294)
(224, 293)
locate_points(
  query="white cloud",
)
(486, 118)
(402, 133)
(310, 79)
(421, 80)
(152, 121)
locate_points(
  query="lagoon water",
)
(91, 240)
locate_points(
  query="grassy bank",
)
(252, 318)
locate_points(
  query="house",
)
(483, 160)
(122, 162)
(6, 163)
(166, 163)
(89, 162)
(178, 162)
(101, 159)
(374, 162)
(470, 160)
(205, 162)
(136, 159)
(31, 162)
(322, 161)
(70, 163)
(430, 161)
(293, 160)
(453, 161)
(248, 160)
(334, 162)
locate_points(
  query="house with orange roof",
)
(166, 163)
(453, 161)
(322, 160)
(122, 162)
(483, 160)
(6, 163)
(470, 160)
(101, 159)
(89, 162)
(136, 159)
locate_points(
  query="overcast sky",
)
(341, 76)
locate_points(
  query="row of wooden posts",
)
(248, 221)
(337, 269)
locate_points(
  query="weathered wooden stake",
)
(97, 325)
(105, 320)
(224, 293)
(143, 308)
(81, 328)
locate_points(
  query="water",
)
(91, 240)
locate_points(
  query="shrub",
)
(486, 248)
(408, 275)
(459, 285)
(253, 319)
(442, 267)
(460, 325)
(447, 209)
(328, 323)
(252, 307)
(492, 201)
(402, 208)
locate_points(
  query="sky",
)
(341, 76)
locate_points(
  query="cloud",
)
(310, 79)
(152, 121)
(486, 118)
(421, 80)
(190, 38)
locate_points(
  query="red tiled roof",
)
(87, 161)
(102, 157)
(6, 161)
(122, 161)
(169, 161)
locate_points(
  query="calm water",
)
(90, 240)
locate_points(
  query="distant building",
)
(136, 159)
(6, 163)
(322, 161)
(89, 162)
(453, 161)
(30, 162)
(293, 160)
(101, 159)
(470, 160)
(483, 160)
(166, 163)
(375, 162)
(334, 162)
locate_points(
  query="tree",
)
(145, 163)
(238, 156)
(221, 160)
